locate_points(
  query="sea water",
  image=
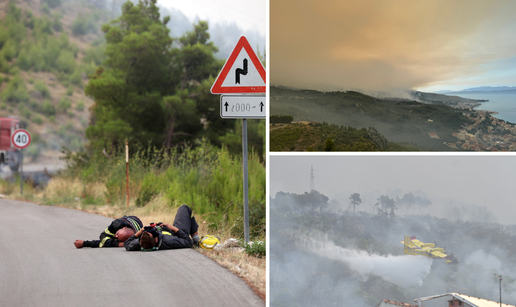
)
(503, 103)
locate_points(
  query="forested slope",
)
(51, 50)
(310, 136)
(399, 120)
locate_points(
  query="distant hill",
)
(399, 120)
(482, 89)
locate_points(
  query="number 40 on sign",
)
(21, 138)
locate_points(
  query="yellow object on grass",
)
(209, 242)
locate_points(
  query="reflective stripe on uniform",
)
(136, 225)
(103, 241)
(166, 233)
(109, 232)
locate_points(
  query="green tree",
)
(329, 145)
(354, 201)
(386, 206)
(313, 201)
(197, 56)
(407, 200)
(180, 110)
(135, 75)
(152, 88)
(197, 74)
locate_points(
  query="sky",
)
(247, 14)
(388, 45)
(481, 180)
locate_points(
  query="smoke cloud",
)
(385, 45)
(405, 271)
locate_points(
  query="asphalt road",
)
(40, 266)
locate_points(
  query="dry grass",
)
(249, 268)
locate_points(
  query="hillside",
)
(399, 120)
(50, 48)
(311, 136)
(47, 50)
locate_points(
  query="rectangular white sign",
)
(242, 106)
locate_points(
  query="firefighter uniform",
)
(107, 237)
(167, 239)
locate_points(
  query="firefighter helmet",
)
(209, 242)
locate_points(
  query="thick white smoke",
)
(482, 258)
(405, 271)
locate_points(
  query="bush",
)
(76, 78)
(257, 249)
(16, 91)
(56, 24)
(42, 88)
(3, 106)
(43, 25)
(37, 120)
(45, 9)
(34, 104)
(64, 104)
(69, 90)
(83, 25)
(25, 113)
(80, 106)
(29, 20)
(31, 57)
(48, 108)
(4, 65)
(66, 62)
(9, 50)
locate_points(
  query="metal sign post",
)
(127, 168)
(21, 172)
(246, 185)
(21, 139)
(243, 73)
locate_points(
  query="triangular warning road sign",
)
(242, 73)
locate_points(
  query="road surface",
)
(40, 266)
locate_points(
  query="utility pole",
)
(500, 277)
(312, 184)
(127, 169)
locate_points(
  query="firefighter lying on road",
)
(165, 236)
(115, 234)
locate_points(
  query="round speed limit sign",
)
(21, 138)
